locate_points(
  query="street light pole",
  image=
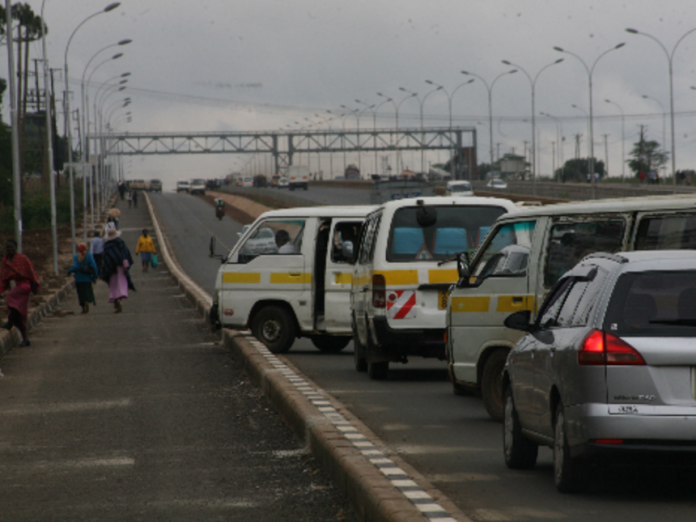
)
(532, 82)
(454, 174)
(623, 142)
(590, 70)
(670, 59)
(398, 106)
(559, 139)
(108, 8)
(367, 107)
(587, 116)
(490, 103)
(16, 174)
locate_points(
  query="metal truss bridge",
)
(283, 145)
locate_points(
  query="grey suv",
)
(608, 368)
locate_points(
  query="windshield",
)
(460, 187)
(198, 182)
(659, 304)
(458, 229)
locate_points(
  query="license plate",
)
(442, 297)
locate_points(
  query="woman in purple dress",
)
(115, 264)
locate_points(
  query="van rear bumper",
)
(394, 345)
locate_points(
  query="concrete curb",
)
(373, 496)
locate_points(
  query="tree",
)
(646, 156)
(578, 169)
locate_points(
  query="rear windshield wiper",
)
(676, 322)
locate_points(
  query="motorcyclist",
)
(219, 207)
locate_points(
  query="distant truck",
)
(298, 177)
(352, 172)
(197, 186)
(155, 185)
(138, 184)
(382, 191)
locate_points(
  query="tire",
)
(358, 352)
(330, 343)
(568, 473)
(492, 384)
(274, 326)
(520, 452)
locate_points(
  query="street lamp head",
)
(559, 60)
(122, 82)
(429, 82)
(111, 7)
(620, 45)
(608, 101)
(632, 31)
(645, 96)
(402, 89)
(465, 72)
(125, 74)
(116, 56)
(124, 42)
(512, 72)
(559, 49)
(506, 62)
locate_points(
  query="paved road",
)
(144, 416)
(456, 446)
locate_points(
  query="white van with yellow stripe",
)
(289, 276)
(524, 255)
(403, 272)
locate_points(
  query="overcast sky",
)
(216, 65)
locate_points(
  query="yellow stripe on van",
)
(285, 278)
(241, 277)
(443, 276)
(471, 304)
(512, 303)
(399, 277)
(343, 279)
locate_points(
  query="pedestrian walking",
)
(96, 248)
(146, 248)
(129, 198)
(135, 199)
(115, 215)
(85, 271)
(117, 261)
(17, 273)
(121, 189)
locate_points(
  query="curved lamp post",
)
(108, 8)
(670, 59)
(590, 70)
(490, 103)
(449, 104)
(532, 82)
(559, 139)
(664, 115)
(368, 107)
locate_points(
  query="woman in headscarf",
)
(117, 260)
(86, 273)
(146, 247)
(18, 269)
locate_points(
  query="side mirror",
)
(464, 265)
(520, 321)
(212, 246)
(347, 251)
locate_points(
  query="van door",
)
(361, 287)
(338, 277)
(273, 264)
(499, 287)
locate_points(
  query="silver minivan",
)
(608, 367)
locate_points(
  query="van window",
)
(344, 231)
(667, 233)
(569, 242)
(458, 229)
(368, 239)
(282, 237)
(507, 252)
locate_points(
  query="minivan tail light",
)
(379, 291)
(600, 348)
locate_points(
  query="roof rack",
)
(613, 257)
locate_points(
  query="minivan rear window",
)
(458, 229)
(658, 303)
(667, 233)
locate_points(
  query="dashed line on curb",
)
(398, 478)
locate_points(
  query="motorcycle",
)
(219, 212)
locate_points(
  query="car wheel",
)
(568, 473)
(330, 343)
(358, 352)
(492, 384)
(520, 452)
(275, 328)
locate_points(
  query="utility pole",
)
(606, 157)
